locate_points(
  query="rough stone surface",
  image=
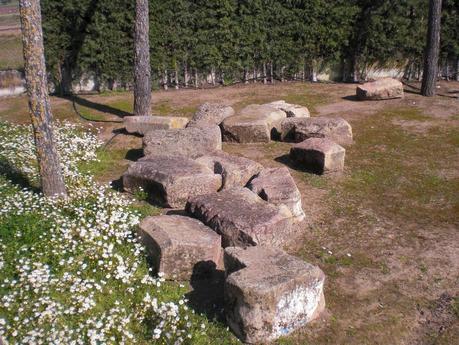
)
(180, 246)
(386, 88)
(210, 114)
(236, 171)
(291, 110)
(277, 186)
(319, 155)
(269, 294)
(171, 180)
(190, 142)
(255, 123)
(242, 218)
(143, 124)
(333, 128)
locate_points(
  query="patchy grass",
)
(11, 52)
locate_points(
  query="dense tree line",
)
(225, 41)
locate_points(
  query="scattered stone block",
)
(254, 124)
(179, 246)
(269, 294)
(143, 124)
(386, 88)
(242, 218)
(189, 142)
(291, 110)
(277, 186)
(236, 171)
(210, 114)
(319, 155)
(333, 128)
(170, 180)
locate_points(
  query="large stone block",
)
(319, 155)
(189, 142)
(291, 110)
(333, 128)
(277, 186)
(210, 114)
(171, 180)
(242, 218)
(255, 123)
(236, 171)
(143, 124)
(386, 88)
(180, 246)
(269, 294)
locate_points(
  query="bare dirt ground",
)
(385, 231)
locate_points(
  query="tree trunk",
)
(255, 77)
(457, 68)
(186, 76)
(271, 74)
(212, 76)
(282, 74)
(246, 76)
(196, 78)
(165, 80)
(432, 50)
(176, 77)
(52, 180)
(142, 67)
(264, 74)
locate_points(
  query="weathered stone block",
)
(171, 180)
(269, 294)
(291, 110)
(300, 129)
(236, 171)
(143, 124)
(189, 142)
(210, 114)
(277, 186)
(319, 155)
(242, 218)
(255, 123)
(386, 88)
(180, 246)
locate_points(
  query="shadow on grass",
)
(75, 99)
(16, 177)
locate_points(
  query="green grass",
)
(11, 52)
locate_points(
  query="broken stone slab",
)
(189, 142)
(210, 114)
(269, 294)
(170, 180)
(143, 124)
(236, 171)
(277, 186)
(254, 124)
(291, 110)
(386, 88)
(319, 155)
(333, 128)
(242, 218)
(179, 246)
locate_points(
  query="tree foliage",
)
(230, 39)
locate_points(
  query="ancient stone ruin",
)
(232, 202)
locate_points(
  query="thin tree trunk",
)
(429, 77)
(52, 180)
(246, 76)
(282, 74)
(186, 76)
(457, 68)
(196, 78)
(212, 76)
(265, 80)
(255, 77)
(176, 77)
(271, 74)
(165, 80)
(142, 67)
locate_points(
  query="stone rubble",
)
(144, 124)
(386, 88)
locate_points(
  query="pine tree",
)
(432, 52)
(52, 180)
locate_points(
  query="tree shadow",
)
(16, 176)
(103, 108)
